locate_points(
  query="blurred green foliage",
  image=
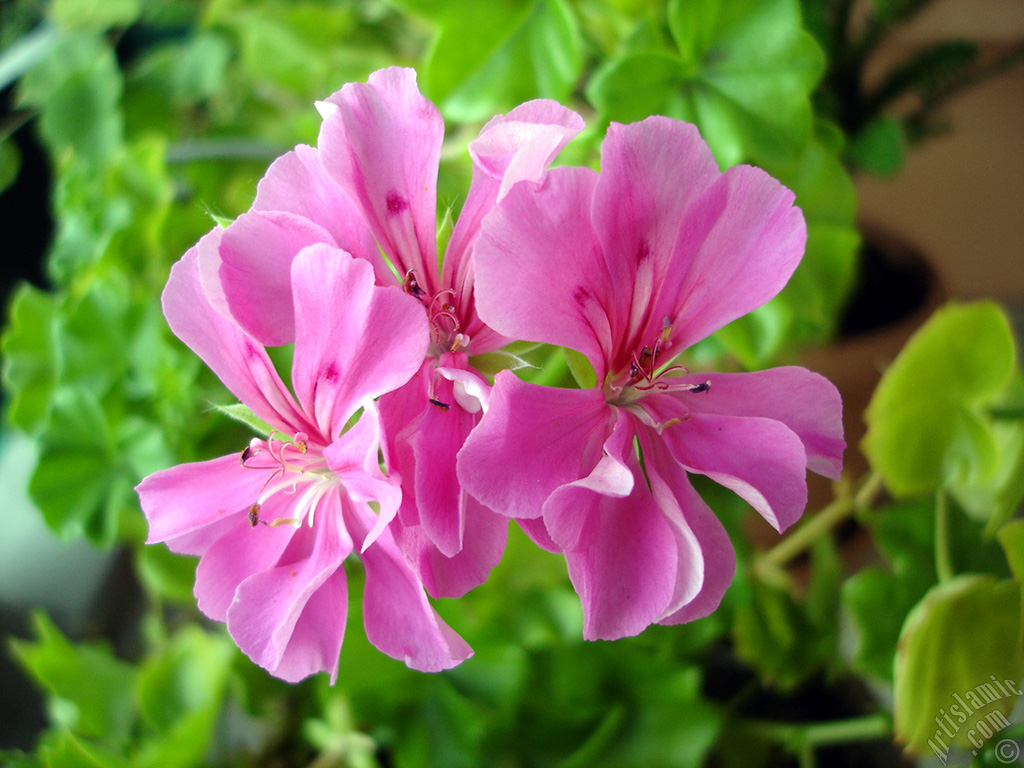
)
(159, 116)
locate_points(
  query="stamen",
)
(410, 286)
(666, 330)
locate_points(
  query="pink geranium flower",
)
(273, 524)
(370, 188)
(631, 267)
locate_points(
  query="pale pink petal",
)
(510, 148)
(237, 360)
(651, 173)
(623, 560)
(804, 401)
(484, 535)
(316, 638)
(469, 389)
(269, 605)
(707, 561)
(191, 497)
(353, 458)
(532, 440)
(254, 266)
(612, 476)
(400, 409)
(240, 552)
(297, 183)
(540, 273)
(761, 460)
(354, 340)
(396, 614)
(382, 144)
(738, 245)
(538, 533)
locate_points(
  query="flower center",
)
(643, 375)
(294, 467)
(445, 328)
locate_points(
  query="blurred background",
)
(129, 127)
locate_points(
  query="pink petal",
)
(651, 173)
(297, 183)
(738, 245)
(194, 498)
(382, 144)
(254, 265)
(354, 460)
(241, 551)
(511, 148)
(237, 360)
(623, 555)
(532, 440)
(269, 619)
(398, 618)
(761, 460)
(354, 340)
(538, 533)
(707, 561)
(540, 272)
(484, 534)
(612, 476)
(805, 402)
(426, 453)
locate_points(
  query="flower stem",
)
(943, 558)
(803, 739)
(809, 532)
(815, 526)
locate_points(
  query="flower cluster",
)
(396, 445)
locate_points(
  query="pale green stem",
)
(943, 558)
(803, 740)
(815, 526)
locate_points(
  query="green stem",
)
(817, 525)
(814, 527)
(802, 739)
(943, 558)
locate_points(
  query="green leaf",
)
(1011, 537)
(242, 413)
(73, 480)
(926, 422)
(958, 652)
(10, 163)
(91, 692)
(774, 635)
(997, 498)
(77, 88)
(19, 57)
(181, 689)
(94, 15)
(878, 599)
(492, 363)
(744, 74)
(878, 147)
(62, 749)
(542, 59)
(30, 358)
(468, 35)
(167, 574)
(580, 367)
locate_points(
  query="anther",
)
(442, 406)
(410, 286)
(254, 514)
